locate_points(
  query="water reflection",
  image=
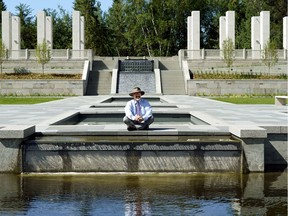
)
(149, 194)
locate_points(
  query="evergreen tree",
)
(116, 21)
(62, 28)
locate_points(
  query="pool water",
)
(117, 118)
(144, 194)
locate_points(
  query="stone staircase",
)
(99, 81)
(100, 78)
(172, 78)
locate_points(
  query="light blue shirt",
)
(146, 109)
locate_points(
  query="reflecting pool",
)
(117, 118)
(144, 194)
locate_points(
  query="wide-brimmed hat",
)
(136, 90)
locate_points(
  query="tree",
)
(249, 8)
(62, 31)
(43, 54)
(116, 21)
(228, 52)
(3, 52)
(154, 28)
(269, 55)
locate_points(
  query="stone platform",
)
(261, 129)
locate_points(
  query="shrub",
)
(21, 70)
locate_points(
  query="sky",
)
(39, 5)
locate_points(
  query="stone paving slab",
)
(274, 118)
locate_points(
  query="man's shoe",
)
(131, 128)
(144, 128)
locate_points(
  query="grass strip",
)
(37, 76)
(234, 100)
(26, 100)
(246, 100)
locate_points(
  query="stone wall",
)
(131, 156)
(275, 150)
(11, 138)
(41, 87)
(195, 87)
(226, 87)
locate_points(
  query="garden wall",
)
(237, 87)
(41, 87)
(194, 87)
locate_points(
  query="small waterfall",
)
(136, 72)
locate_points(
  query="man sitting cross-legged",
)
(138, 112)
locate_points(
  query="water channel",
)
(144, 194)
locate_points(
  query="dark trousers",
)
(143, 125)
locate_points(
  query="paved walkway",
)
(271, 117)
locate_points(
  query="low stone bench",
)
(281, 100)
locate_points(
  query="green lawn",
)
(26, 100)
(246, 100)
(235, 100)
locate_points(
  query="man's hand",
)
(139, 118)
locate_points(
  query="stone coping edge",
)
(16, 131)
(248, 131)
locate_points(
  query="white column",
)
(6, 29)
(189, 35)
(16, 37)
(44, 29)
(49, 31)
(230, 25)
(76, 30)
(222, 31)
(264, 28)
(82, 34)
(285, 33)
(255, 37)
(78, 35)
(227, 28)
(41, 27)
(195, 35)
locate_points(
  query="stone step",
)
(172, 82)
(99, 83)
(103, 64)
(169, 65)
(100, 78)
